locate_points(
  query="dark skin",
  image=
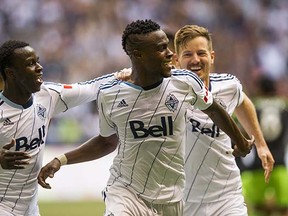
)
(23, 79)
(151, 62)
(93, 149)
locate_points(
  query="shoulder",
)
(51, 86)
(184, 73)
(109, 84)
(186, 76)
(224, 80)
(222, 77)
(224, 83)
(101, 79)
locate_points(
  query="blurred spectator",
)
(84, 36)
(268, 199)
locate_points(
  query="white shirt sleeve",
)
(204, 97)
(66, 96)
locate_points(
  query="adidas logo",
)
(7, 121)
(122, 103)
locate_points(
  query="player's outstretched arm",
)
(94, 148)
(247, 116)
(13, 159)
(224, 121)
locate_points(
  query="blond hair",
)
(189, 32)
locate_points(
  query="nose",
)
(169, 53)
(195, 59)
(39, 67)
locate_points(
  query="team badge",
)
(171, 102)
(41, 111)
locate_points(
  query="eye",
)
(202, 53)
(186, 54)
(163, 47)
(31, 63)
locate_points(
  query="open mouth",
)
(195, 69)
(39, 79)
(168, 63)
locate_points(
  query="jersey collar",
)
(25, 106)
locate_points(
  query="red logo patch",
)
(205, 97)
(68, 86)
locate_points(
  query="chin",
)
(36, 89)
(166, 73)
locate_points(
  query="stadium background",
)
(81, 39)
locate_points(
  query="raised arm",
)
(224, 121)
(94, 148)
(247, 117)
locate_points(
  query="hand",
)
(124, 74)
(13, 159)
(267, 161)
(48, 171)
(242, 153)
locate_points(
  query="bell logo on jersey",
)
(139, 131)
(22, 142)
(214, 131)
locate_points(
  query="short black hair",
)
(267, 85)
(6, 51)
(138, 27)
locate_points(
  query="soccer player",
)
(148, 115)
(268, 199)
(213, 182)
(27, 106)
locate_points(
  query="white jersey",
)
(211, 173)
(151, 128)
(29, 126)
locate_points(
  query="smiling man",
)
(148, 115)
(213, 182)
(27, 106)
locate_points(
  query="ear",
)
(9, 72)
(212, 57)
(176, 61)
(136, 54)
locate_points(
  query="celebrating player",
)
(27, 106)
(213, 182)
(148, 115)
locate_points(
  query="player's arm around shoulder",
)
(82, 92)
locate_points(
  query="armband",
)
(62, 159)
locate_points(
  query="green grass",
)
(77, 208)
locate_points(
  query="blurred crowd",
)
(81, 39)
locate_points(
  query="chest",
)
(27, 126)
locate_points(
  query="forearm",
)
(247, 116)
(94, 148)
(224, 121)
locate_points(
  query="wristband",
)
(62, 159)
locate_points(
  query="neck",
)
(16, 97)
(144, 79)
